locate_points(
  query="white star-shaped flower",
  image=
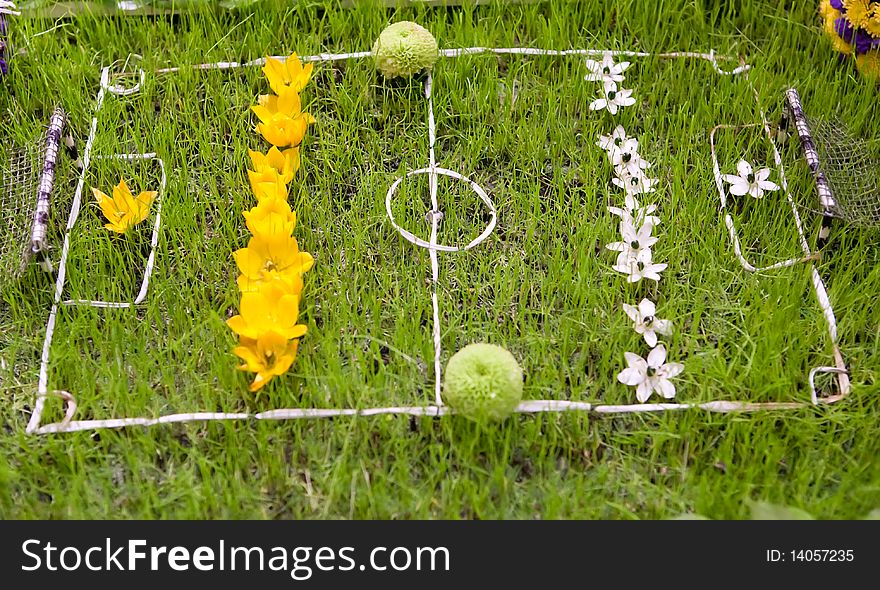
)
(636, 245)
(645, 321)
(613, 142)
(650, 375)
(627, 161)
(636, 269)
(613, 99)
(605, 70)
(635, 214)
(749, 182)
(635, 184)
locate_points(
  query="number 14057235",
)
(822, 555)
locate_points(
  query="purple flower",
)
(838, 4)
(7, 9)
(3, 66)
(862, 41)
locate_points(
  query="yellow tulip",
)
(282, 122)
(289, 74)
(270, 191)
(267, 253)
(292, 284)
(269, 355)
(266, 310)
(124, 210)
(271, 217)
(274, 165)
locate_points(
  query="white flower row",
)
(630, 169)
(635, 260)
(610, 74)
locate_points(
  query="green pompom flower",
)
(404, 48)
(483, 381)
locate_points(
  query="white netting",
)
(851, 167)
(843, 166)
(19, 171)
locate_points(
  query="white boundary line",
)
(320, 57)
(532, 406)
(526, 407)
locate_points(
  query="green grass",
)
(541, 285)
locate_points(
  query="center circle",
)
(412, 238)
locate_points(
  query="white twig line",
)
(818, 283)
(414, 239)
(42, 389)
(526, 407)
(435, 216)
(327, 57)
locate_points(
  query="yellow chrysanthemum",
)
(124, 210)
(271, 217)
(274, 164)
(282, 122)
(857, 12)
(265, 254)
(869, 65)
(269, 355)
(289, 74)
(271, 309)
(825, 8)
(839, 44)
(872, 25)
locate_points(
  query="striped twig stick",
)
(795, 113)
(39, 230)
(7, 7)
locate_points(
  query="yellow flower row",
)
(272, 264)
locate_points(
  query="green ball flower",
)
(404, 48)
(483, 381)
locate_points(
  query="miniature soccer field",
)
(540, 284)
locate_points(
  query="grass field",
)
(541, 285)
